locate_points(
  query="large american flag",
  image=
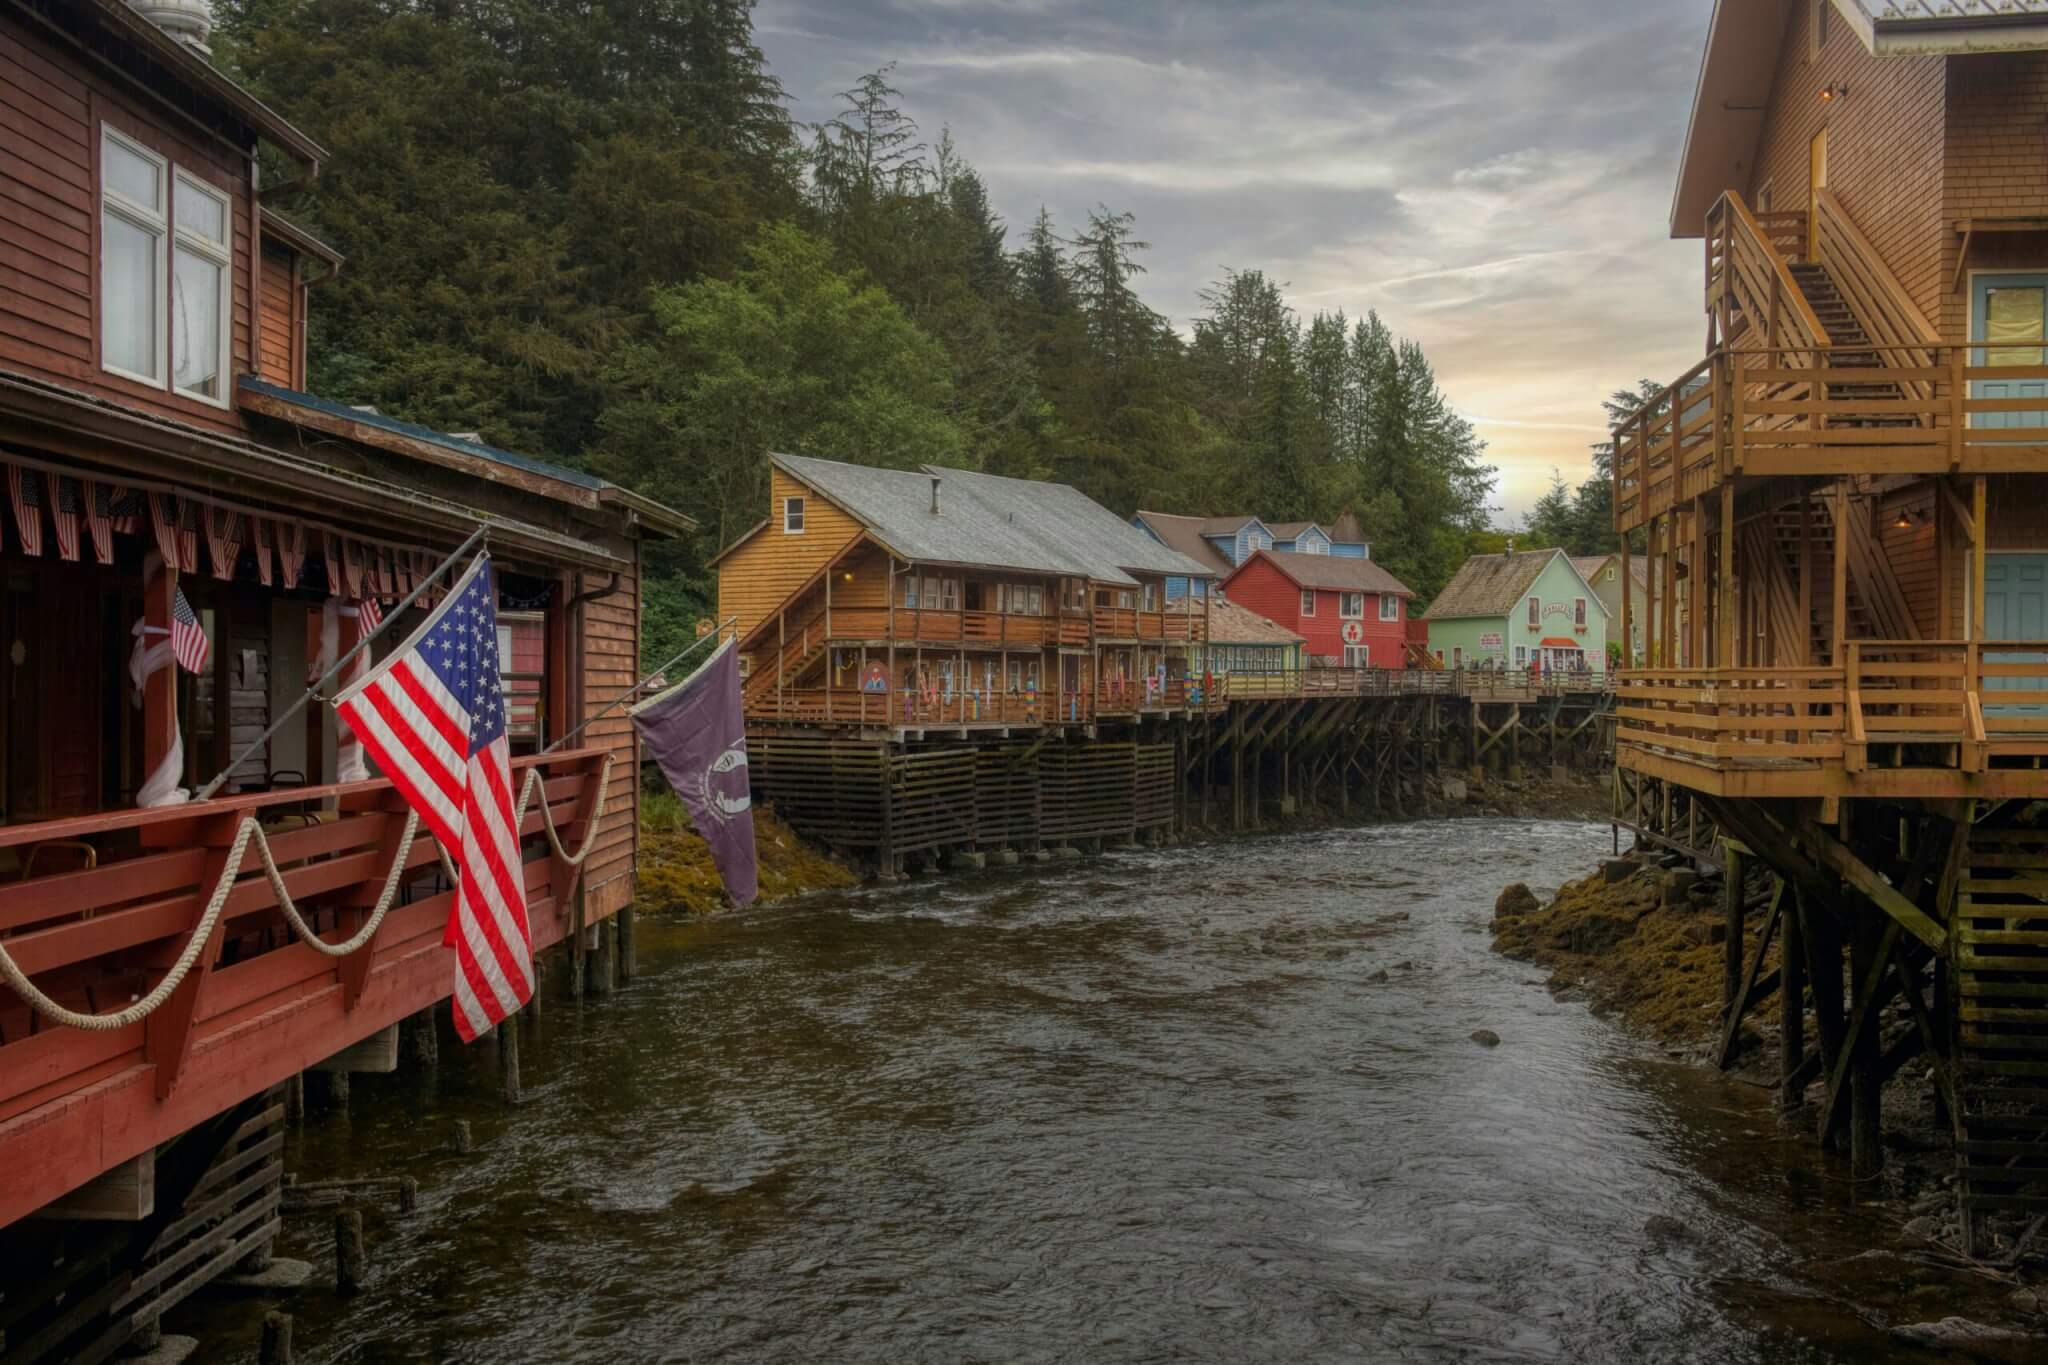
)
(433, 716)
(25, 491)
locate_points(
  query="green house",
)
(1532, 610)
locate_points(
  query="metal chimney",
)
(935, 494)
(188, 21)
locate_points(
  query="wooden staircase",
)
(1999, 937)
(803, 646)
(1848, 335)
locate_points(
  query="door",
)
(2010, 312)
(1816, 181)
(1358, 656)
(2015, 608)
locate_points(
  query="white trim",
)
(1388, 599)
(154, 220)
(221, 254)
(1344, 615)
(1308, 602)
(797, 501)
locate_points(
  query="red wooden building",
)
(1352, 612)
(161, 448)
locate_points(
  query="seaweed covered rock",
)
(676, 871)
(1516, 899)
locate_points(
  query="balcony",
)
(1898, 718)
(1826, 412)
(99, 919)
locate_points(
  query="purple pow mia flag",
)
(698, 735)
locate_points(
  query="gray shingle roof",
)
(1231, 624)
(987, 521)
(1185, 535)
(1336, 573)
(1489, 585)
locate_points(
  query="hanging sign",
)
(875, 678)
(1354, 632)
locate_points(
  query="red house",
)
(1351, 611)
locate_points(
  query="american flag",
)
(189, 510)
(259, 541)
(188, 637)
(64, 516)
(223, 540)
(369, 615)
(291, 551)
(25, 491)
(433, 716)
(163, 516)
(125, 507)
(99, 517)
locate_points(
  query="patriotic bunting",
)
(223, 540)
(291, 552)
(64, 517)
(25, 491)
(99, 517)
(259, 542)
(188, 535)
(163, 519)
(126, 508)
(351, 567)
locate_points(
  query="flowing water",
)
(1213, 1103)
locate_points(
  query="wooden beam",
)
(1840, 624)
(125, 1194)
(1745, 994)
(1868, 1002)
(377, 1053)
(1839, 859)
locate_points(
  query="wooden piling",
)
(1731, 911)
(426, 1040)
(295, 1098)
(277, 1339)
(351, 1267)
(337, 1089)
(464, 1142)
(1791, 1008)
(408, 1194)
(629, 960)
(603, 962)
(1866, 1083)
(507, 1034)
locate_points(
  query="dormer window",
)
(166, 273)
(792, 516)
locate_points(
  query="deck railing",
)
(258, 1004)
(1892, 703)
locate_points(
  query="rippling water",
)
(1215, 1103)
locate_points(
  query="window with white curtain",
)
(200, 272)
(134, 226)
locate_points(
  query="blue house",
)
(1223, 543)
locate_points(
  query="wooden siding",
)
(278, 318)
(759, 576)
(610, 663)
(1997, 166)
(51, 107)
(1884, 146)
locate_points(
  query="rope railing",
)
(248, 832)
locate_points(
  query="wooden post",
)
(603, 962)
(1840, 624)
(629, 958)
(1977, 558)
(426, 1039)
(160, 691)
(277, 1339)
(1866, 1082)
(1725, 581)
(464, 1141)
(351, 1267)
(1731, 911)
(1791, 1004)
(1805, 653)
(1628, 638)
(507, 1033)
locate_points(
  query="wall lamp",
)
(1905, 521)
(1829, 93)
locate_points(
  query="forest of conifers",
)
(593, 233)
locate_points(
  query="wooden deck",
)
(259, 1005)
(1899, 718)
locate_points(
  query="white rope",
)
(249, 830)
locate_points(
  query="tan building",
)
(1605, 573)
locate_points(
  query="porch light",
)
(1833, 92)
(1905, 521)
(848, 575)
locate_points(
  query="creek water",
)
(1216, 1103)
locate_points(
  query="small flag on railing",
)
(64, 517)
(25, 491)
(188, 637)
(698, 734)
(433, 715)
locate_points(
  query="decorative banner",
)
(259, 543)
(126, 507)
(291, 551)
(698, 734)
(163, 518)
(25, 491)
(1353, 632)
(64, 516)
(223, 539)
(331, 557)
(99, 517)
(875, 678)
(188, 535)
(351, 568)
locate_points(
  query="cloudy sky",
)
(1492, 175)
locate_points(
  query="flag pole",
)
(633, 689)
(326, 679)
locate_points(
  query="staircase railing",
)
(1888, 314)
(1750, 284)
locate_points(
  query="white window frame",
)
(221, 254)
(1308, 601)
(1610, 573)
(1521, 656)
(1358, 656)
(157, 222)
(1578, 611)
(1535, 612)
(1390, 607)
(1351, 606)
(793, 503)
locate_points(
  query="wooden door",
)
(1816, 181)
(2009, 311)
(2015, 608)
